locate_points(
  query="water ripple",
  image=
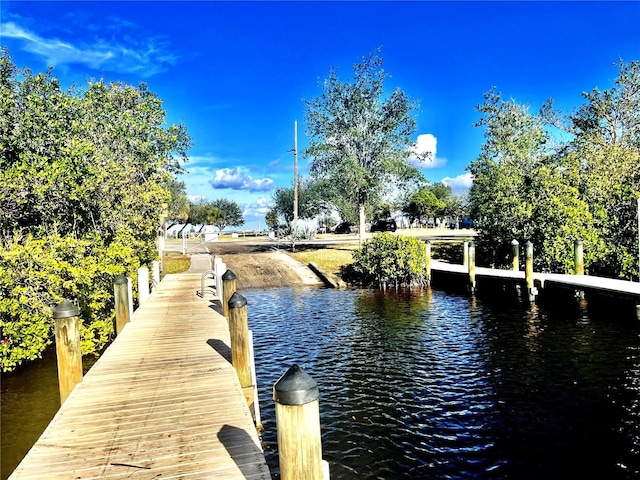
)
(425, 384)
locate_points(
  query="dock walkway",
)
(543, 280)
(162, 402)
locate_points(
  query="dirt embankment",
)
(259, 266)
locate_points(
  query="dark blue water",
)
(428, 384)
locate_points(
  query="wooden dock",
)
(162, 402)
(609, 286)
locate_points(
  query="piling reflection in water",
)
(426, 384)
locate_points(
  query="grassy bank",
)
(176, 263)
(329, 258)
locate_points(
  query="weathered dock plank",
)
(163, 401)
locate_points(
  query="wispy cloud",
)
(238, 178)
(134, 54)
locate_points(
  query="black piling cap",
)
(295, 387)
(237, 301)
(120, 279)
(66, 309)
(229, 275)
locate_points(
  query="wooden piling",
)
(69, 357)
(515, 255)
(228, 289)
(298, 425)
(427, 263)
(121, 294)
(528, 271)
(471, 264)
(578, 257)
(465, 253)
(143, 284)
(239, 335)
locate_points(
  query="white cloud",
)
(460, 183)
(424, 153)
(239, 179)
(131, 54)
(257, 209)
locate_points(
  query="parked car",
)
(344, 227)
(384, 225)
(466, 223)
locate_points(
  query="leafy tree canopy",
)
(359, 137)
(86, 177)
(528, 186)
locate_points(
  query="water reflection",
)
(423, 384)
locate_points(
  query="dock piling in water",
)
(69, 357)
(298, 422)
(239, 336)
(471, 264)
(427, 265)
(515, 255)
(228, 289)
(578, 257)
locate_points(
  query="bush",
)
(388, 260)
(37, 274)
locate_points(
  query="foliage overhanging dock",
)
(163, 401)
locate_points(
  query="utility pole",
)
(639, 239)
(295, 177)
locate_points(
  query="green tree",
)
(178, 205)
(421, 205)
(522, 191)
(606, 155)
(85, 177)
(310, 203)
(272, 218)
(360, 138)
(229, 214)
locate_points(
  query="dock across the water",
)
(543, 281)
(163, 402)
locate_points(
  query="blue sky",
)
(236, 73)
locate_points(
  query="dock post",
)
(121, 293)
(515, 255)
(219, 268)
(465, 253)
(427, 263)
(67, 334)
(239, 335)
(528, 271)
(228, 289)
(578, 257)
(298, 425)
(143, 284)
(471, 263)
(155, 273)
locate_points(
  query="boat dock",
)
(162, 402)
(584, 283)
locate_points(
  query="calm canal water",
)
(428, 384)
(434, 385)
